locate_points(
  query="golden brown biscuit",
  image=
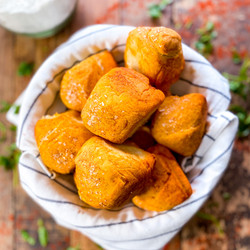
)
(168, 185)
(121, 101)
(78, 82)
(59, 137)
(107, 175)
(180, 122)
(156, 53)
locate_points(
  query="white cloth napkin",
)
(130, 227)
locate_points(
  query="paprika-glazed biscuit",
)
(121, 102)
(180, 122)
(156, 53)
(59, 137)
(107, 175)
(168, 185)
(78, 82)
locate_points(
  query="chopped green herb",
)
(3, 131)
(42, 233)
(206, 35)
(244, 120)
(236, 86)
(10, 161)
(226, 196)
(5, 106)
(236, 57)
(209, 26)
(16, 109)
(13, 128)
(240, 84)
(25, 69)
(155, 10)
(74, 248)
(26, 237)
(244, 70)
(211, 218)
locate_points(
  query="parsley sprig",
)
(155, 10)
(212, 218)
(206, 35)
(240, 85)
(236, 56)
(10, 161)
(244, 120)
(42, 233)
(4, 106)
(25, 69)
(28, 238)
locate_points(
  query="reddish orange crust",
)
(156, 53)
(107, 175)
(168, 185)
(59, 137)
(121, 102)
(180, 122)
(78, 82)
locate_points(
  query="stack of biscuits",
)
(122, 124)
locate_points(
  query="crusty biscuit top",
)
(120, 102)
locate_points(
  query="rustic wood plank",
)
(6, 187)
(132, 16)
(26, 215)
(26, 211)
(82, 241)
(174, 244)
(95, 12)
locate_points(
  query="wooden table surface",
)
(231, 18)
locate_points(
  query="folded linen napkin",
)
(130, 227)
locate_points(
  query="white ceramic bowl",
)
(130, 227)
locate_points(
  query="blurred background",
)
(218, 29)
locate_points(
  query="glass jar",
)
(36, 18)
